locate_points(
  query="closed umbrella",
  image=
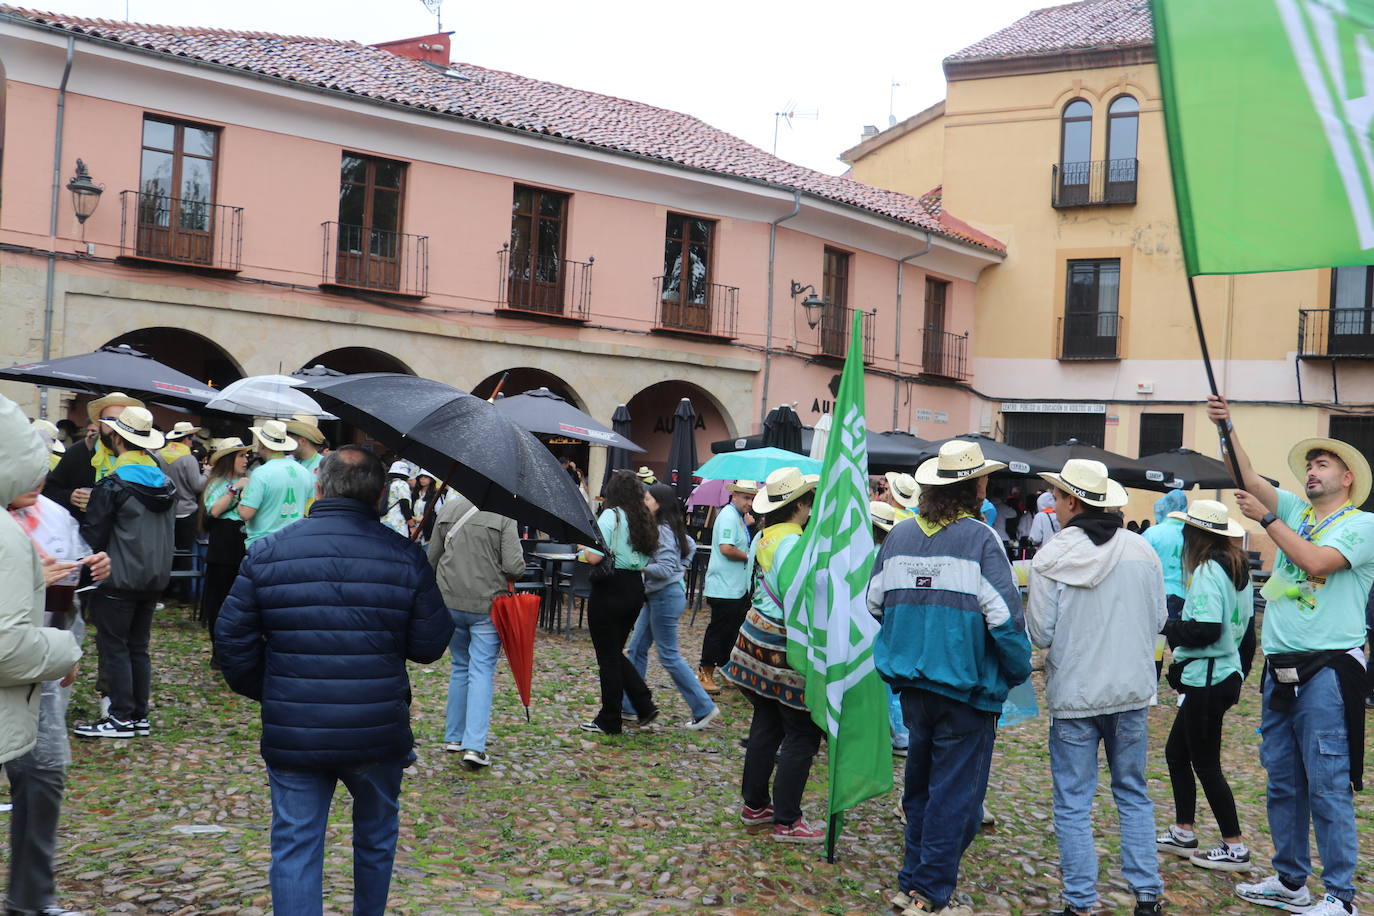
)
(515, 616)
(755, 464)
(820, 434)
(682, 450)
(542, 411)
(782, 428)
(117, 368)
(618, 459)
(268, 396)
(1126, 471)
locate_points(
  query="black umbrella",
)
(1193, 469)
(120, 368)
(782, 428)
(1019, 462)
(1126, 471)
(682, 451)
(542, 411)
(618, 459)
(480, 452)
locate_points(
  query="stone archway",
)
(526, 378)
(185, 351)
(652, 420)
(355, 360)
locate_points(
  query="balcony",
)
(535, 286)
(835, 324)
(375, 260)
(1105, 183)
(1090, 335)
(1336, 333)
(179, 232)
(945, 354)
(707, 309)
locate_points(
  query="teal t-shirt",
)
(1167, 540)
(727, 578)
(213, 491)
(1213, 598)
(280, 490)
(1326, 615)
(615, 531)
(311, 464)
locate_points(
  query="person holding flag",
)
(953, 642)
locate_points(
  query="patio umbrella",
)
(820, 433)
(894, 451)
(782, 428)
(479, 451)
(618, 459)
(515, 616)
(1193, 469)
(1126, 471)
(542, 411)
(682, 450)
(1019, 462)
(267, 396)
(317, 371)
(119, 368)
(755, 464)
(709, 493)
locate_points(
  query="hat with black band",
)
(1087, 479)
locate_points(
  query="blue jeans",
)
(946, 778)
(1306, 753)
(300, 811)
(659, 627)
(1073, 763)
(472, 659)
(896, 719)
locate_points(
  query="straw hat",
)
(750, 487)
(305, 426)
(645, 474)
(1088, 480)
(181, 430)
(113, 399)
(135, 424)
(50, 434)
(1349, 455)
(903, 488)
(1210, 515)
(882, 514)
(782, 487)
(225, 446)
(272, 435)
(959, 460)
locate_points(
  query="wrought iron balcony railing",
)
(706, 309)
(1336, 333)
(1106, 182)
(357, 257)
(540, 285)
(836, 321)
(1090, 335)
(175, 230)
(944, 353)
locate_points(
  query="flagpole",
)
(832, 837)
(1225, 430)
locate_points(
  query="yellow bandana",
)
(931, 528)
(133, 458)
(103, 460)
(173, 450)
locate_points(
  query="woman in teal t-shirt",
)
(1207, 671)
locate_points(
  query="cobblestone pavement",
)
(560, 824)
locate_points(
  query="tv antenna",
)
(891, 103)
(788, 113)
(433, 6)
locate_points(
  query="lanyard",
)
(1308, 533)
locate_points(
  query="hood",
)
(23, 458)
(1071, 558)
(149, 485)
(1173, 501)
(1045, 501)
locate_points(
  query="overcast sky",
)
(732, 63)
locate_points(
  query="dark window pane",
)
(520, 235)
(159, 134)
(1359, 432)
(1121, 137)
(388, 174)
(524, 200)
(386, 210)
(675, 228)
(701, 231)
(551, 205)
(672, 269)
(352, 200)
(1082, 288)
(156, 174)
(1108, 286)
(1349, 287)
(196, 178)
(354, 169)
(1038, 430)
(198, 142)
(1160, 432)
(154, 210)
(1078, 137)
(549, 242)
(696, 255)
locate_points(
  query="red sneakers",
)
(753, 817)
(800, 832)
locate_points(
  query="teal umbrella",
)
(755, 464)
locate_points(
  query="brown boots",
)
(706, 675)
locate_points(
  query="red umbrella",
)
(516, 615)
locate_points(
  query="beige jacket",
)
(474, 565)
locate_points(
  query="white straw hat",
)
(225, 446)
(743, 486)
(1349, 455)
(272, 435)
(113, 399)
(1088, 480)
(181, 429)
(135, 424)
(882, 514)
(1210, 515)
(903, 488)
(782, 487)
(959, 460)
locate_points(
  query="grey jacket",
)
(189, 480)
(474, 565)
(667, 566)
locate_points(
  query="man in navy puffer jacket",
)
(318, 628)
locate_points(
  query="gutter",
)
(768, 340)
(897, 355)
(49, 291)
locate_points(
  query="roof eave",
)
(900, 129)
(1056, 61)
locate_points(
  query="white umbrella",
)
(267, 396)
(819, 434)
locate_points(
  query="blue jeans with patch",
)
(472, 651)
(657, 626)
(1074, 766)
(1306, 753)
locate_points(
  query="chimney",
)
(870, 130)
(429, 49)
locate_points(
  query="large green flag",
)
(1268, 106)
(830, 632)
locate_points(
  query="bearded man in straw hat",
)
(1314, 680)
(727, 581)
(310, 441)
(1097, 603)
(88, 461)
(953, 642)
(279, 490)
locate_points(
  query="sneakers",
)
(108, 727)
(989, 819)
(1331, 906)
(1176, 843)
(646, 720)
(142, 728)
(453, 748)
(1147, 908)
(799, 832)
(593, 728)
(706, 677)
(753, 817)
(475, 760)
(1273, 892)
(55, 910)
(697, 725)
(1223, 857)
(899, 751)
(914, 903)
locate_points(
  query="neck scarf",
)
(933, 528)
(1099, 526)
(103, 460)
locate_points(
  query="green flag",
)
(830, 632)
(1268, 106)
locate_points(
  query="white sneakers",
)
(1272, 892)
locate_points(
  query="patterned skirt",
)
(758, 662)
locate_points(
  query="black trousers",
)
(224, 555)
(782, 743)
(123, 628)
(727, 614)
(37, 797)
(183, 538)
(612, 610)
(1194, 747)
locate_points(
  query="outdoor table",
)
(554, 619)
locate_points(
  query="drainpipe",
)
(48, 292)
(768, 343)
(896, 384)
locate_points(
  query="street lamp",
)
(85, 193)
(813, 303)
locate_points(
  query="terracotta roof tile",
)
(1081, 26)
(510, 100)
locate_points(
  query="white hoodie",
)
(1097, 610)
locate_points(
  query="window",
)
(1091, 322)
(835, 290)
(1075, 149)
(1359, 432)
(1038, 430)
(370, 244)
(1352, 311)
(536, 250)
(1160, 432)
(686, 294)
(176, 192)
(1123, 128)
(934, 353)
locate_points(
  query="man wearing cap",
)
(131, 517)
(183, 468)
(727, 581)
(1312, 722)
(952, 644)
(309, 441)
(89, 461)
(279, 490)
(902, 492)
(1096, 604)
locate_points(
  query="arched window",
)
(1075, 149)
(1123, 127)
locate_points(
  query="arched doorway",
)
(652, 420)
(526, 378)
(185, 351)
(355, 360)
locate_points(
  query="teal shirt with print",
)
(1336, 621)
(1213, 598)
(615, 531)
(727, 578)
(311, 464)
(280, 490)
(213, 491)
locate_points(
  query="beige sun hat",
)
(182, 429)
(272, 435)
(135, 424)
(903, 488)
(958, 460)
(1210, 515)
(50, 435)
(645, 474)
(1088, 480)
(882, 514)
(225, 446)
(749, 487)
(305, 426)
(113, 399)
(782, 487)
(1349, 455)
